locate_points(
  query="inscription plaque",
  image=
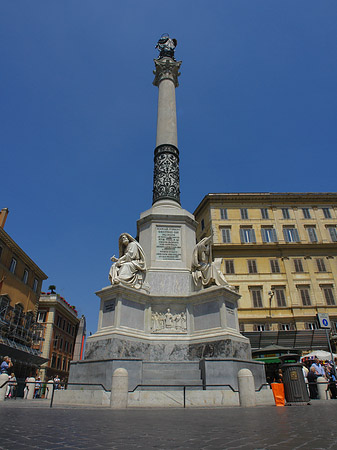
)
(168, 243)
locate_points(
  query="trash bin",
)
(295, 389)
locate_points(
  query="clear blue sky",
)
(256, 112)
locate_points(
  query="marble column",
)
(166, 155)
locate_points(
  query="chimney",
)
(3, 216)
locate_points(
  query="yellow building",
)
(280, 251)
(20, 285)
(60, 330)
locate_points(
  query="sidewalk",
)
(33, 425)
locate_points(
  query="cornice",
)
(270, 197)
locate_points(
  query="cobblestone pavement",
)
(263, 428)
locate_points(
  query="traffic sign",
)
(323, 320)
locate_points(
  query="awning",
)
(268, 360)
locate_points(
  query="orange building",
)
(60, 326)
(20, 285)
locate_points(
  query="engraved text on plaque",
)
(168, 243)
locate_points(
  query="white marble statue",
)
(130, 267)
(204, 270)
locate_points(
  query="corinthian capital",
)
(166, 69)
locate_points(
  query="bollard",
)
(31, 388)
(119, 389)
(322, 386)
(3, 378)
(246, 388)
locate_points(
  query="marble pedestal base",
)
(162, 340)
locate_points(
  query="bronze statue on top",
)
(166, 46)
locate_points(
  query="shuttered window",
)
(327, 213)
(298, 265)
(280, 297)
(244, 213)
(333, 233)
(306, 213)
(305, 296)
(291, 234)
(328, 294)
(285, 213)
(268, 235)
(247, 235)
(257, 297)
(13, 265)
(226, 235)
(312, 234)
(223, 214)
(274, 266)
(320, 265)
(264, 213)
(252, 267)
(229, 266)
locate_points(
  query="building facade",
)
(20, 286)
(280, 251)
(60, 323)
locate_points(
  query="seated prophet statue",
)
(204, 270)
(129, 269)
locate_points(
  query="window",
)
(327, 213)
(252, 267)
(291, 234)
(53, 360)
(241, 327)
(280, 297)
(285, 213)
(226, 235)
(71, 348)
(35, 284)
(298, 265)
(312, 234)
(64, 365)
(59, 321)
(260, 327)
(333, 233)
(4, 305)
(306, 213)
(310, 326)
(66, 346)
(305, 296)
(264, 213)
(328, 294)
(59, 362)
(256, 294)
(18, 312)
(42, 316)
(223, 214)
(268, 235)
(13, 265)
(56, 341)
(25, 276)
(229, 266)
(60, 343)
(244, 213)
(202, 224)
(274, 266)
(247, 235)
(320, 265)
(285, 327)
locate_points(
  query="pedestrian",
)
(332, 382)
(57, 382)
(11, 386)
(37, 387)
(6, 365)
(312, 381)
(319, 368)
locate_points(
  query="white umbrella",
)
(320, 354)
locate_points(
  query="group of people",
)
(317, 369)
(6, 365)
